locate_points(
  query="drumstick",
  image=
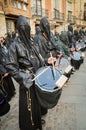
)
(41, 73)
(53, 65)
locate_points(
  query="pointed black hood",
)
(21, 21)
(45, 26)
(23, 28)
(38, 30)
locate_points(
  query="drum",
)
(76, 60)
(63, 66)
(81, 46)
(48, 93)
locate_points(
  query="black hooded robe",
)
(7, 81)
(21, 59)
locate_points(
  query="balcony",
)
(71, 19)
(16, 8)
(39, 12)
(57, 15)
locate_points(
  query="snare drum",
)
(76, 59)
(48, 93)
(81, 46)
(63, 65)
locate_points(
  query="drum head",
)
(76, 56)
(47, 80)
(64, 63)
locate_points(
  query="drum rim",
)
(47, 90)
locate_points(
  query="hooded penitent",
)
(45, 27)
(24, 30)
(38, 30)
(64, 37)
(70, 28)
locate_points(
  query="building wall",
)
(48, 6)
(2, 24)
(64, 7)
(78, 10)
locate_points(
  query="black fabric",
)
(25, 115)
(2, 95)
(70, 28)
(24, 34)
(45, 26)
(64, 38)
(7, 81)
(9, 87)
(75, 63)
(48, 99)
(4, 105)
(24, 31)
(38, 30)
(76, 35)
(45, 46)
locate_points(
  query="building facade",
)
(9, 12)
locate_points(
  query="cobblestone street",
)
(68, 114)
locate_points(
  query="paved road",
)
(68, 114)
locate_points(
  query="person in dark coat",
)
(38, 31)
(24, 60)
(76, 35)
(46, 45)
(45, 42)
(7, 81)
(60, 39)
(70, 34)
(70, 28)
(64, 38)
(4, 105)
(9, 38)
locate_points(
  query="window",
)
(69, 15)
(19, 5)
(56, 4)
(69, 6)
(37, 7)
(26, 1)
(13, 3)
(24, 7)
(5, 2)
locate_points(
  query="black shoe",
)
(43, 122)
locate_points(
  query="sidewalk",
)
(68, 114)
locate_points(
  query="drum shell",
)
(48, 99)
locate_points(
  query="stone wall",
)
(2, 24)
